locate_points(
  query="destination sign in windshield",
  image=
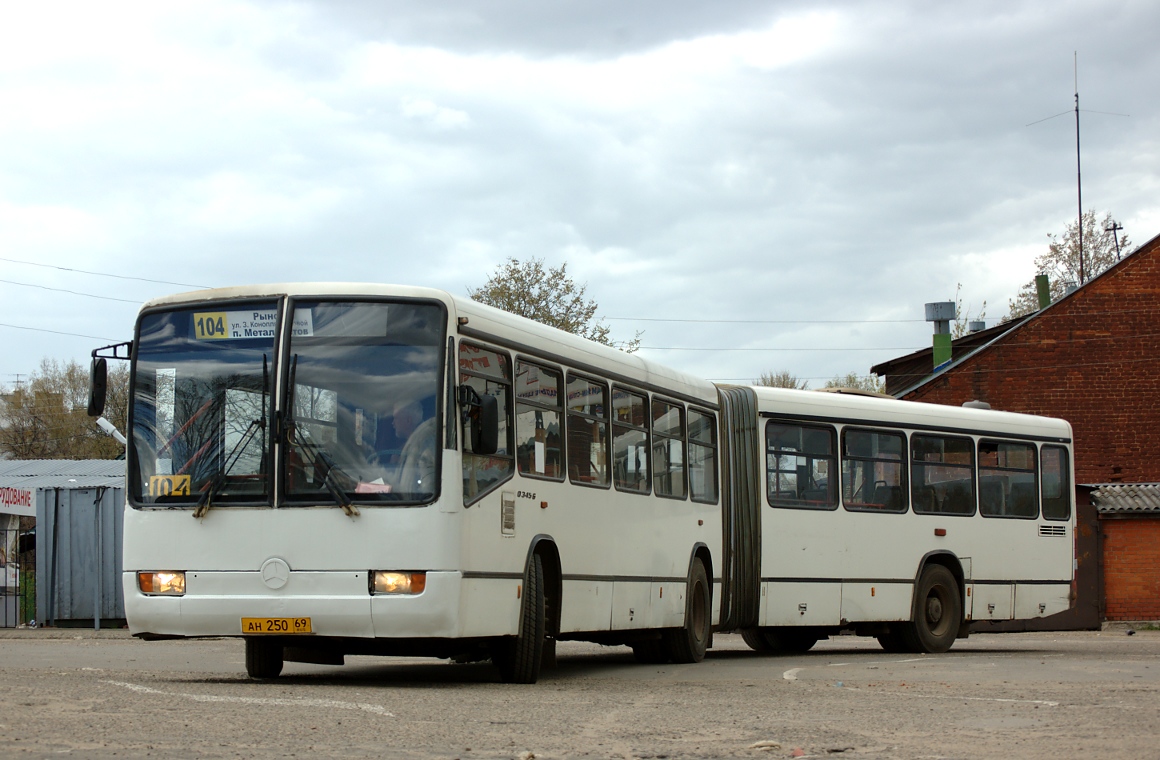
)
(243, 325)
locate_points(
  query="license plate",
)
(276, 625)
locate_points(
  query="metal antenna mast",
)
(1078, 181)
(1078, 172)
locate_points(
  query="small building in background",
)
(61, 522)
(1130, 525)
(1092, 358)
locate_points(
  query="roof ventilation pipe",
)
(941, 313)
(1043, 290)
(977, 325)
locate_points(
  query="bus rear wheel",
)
(938, 611)
(779, 639)
(688, 644)
(519, 657)
(263, 658)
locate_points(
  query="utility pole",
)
(1115, 228)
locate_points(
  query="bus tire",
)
(779, 639)
(938, 611)
(263, 658)
(688, 644)
(519, 657)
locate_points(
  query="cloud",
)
(793, 163)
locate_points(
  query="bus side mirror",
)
(98, 386)
(482, 412)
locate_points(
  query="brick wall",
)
(1093, 359)
(1132, 568)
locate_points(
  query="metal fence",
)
(17, 578)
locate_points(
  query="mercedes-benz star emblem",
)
(275, 572)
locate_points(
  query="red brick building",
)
(1092, 358)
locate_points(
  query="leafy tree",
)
(549, 296)
(46, 417)
(782, 379)
(857, 382)
(1061, 260)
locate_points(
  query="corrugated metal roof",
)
(58, 481)
(31, 474)
(1127, 497)
(64, 467)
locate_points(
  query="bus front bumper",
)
(334, 603)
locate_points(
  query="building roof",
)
(912, 375)
(1126, 498)
(62, 473)
(905, 371)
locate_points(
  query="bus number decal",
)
(210, 325)
(169, 485)
(526, 494)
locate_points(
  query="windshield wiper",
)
(314, 452)
(210, 490)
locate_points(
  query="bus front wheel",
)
(263, 658)
(938, 611)
(688, 644)
(519, 657)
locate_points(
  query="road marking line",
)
(1048, 703)
(280, 701)
(791, 674)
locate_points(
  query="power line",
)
(859, 348)
(71, 292)
(55, 332)
(768, 321)
(100, 274)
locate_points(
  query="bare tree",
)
(962, 322)
(854, 381)
(549, 296)
(1061, 261)
(46, 417)
(782, 379)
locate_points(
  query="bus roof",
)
(813, 405)
(485, 323)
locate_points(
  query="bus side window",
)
(1056, 484)
(539, 442)
(1007, 479)
(873, 470)
(800, 466)
(587, 431)
(942, 472)
(489, 373)
(703, 456)
(668, 448)
(630, 444)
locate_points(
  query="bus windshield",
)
(359, 390)
(201, 404)
(363, 384)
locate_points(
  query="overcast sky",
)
(785, 183)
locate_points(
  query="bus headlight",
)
(162, 583)
(391, 582)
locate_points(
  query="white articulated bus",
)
(332, 469)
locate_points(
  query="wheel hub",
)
(934, 609)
